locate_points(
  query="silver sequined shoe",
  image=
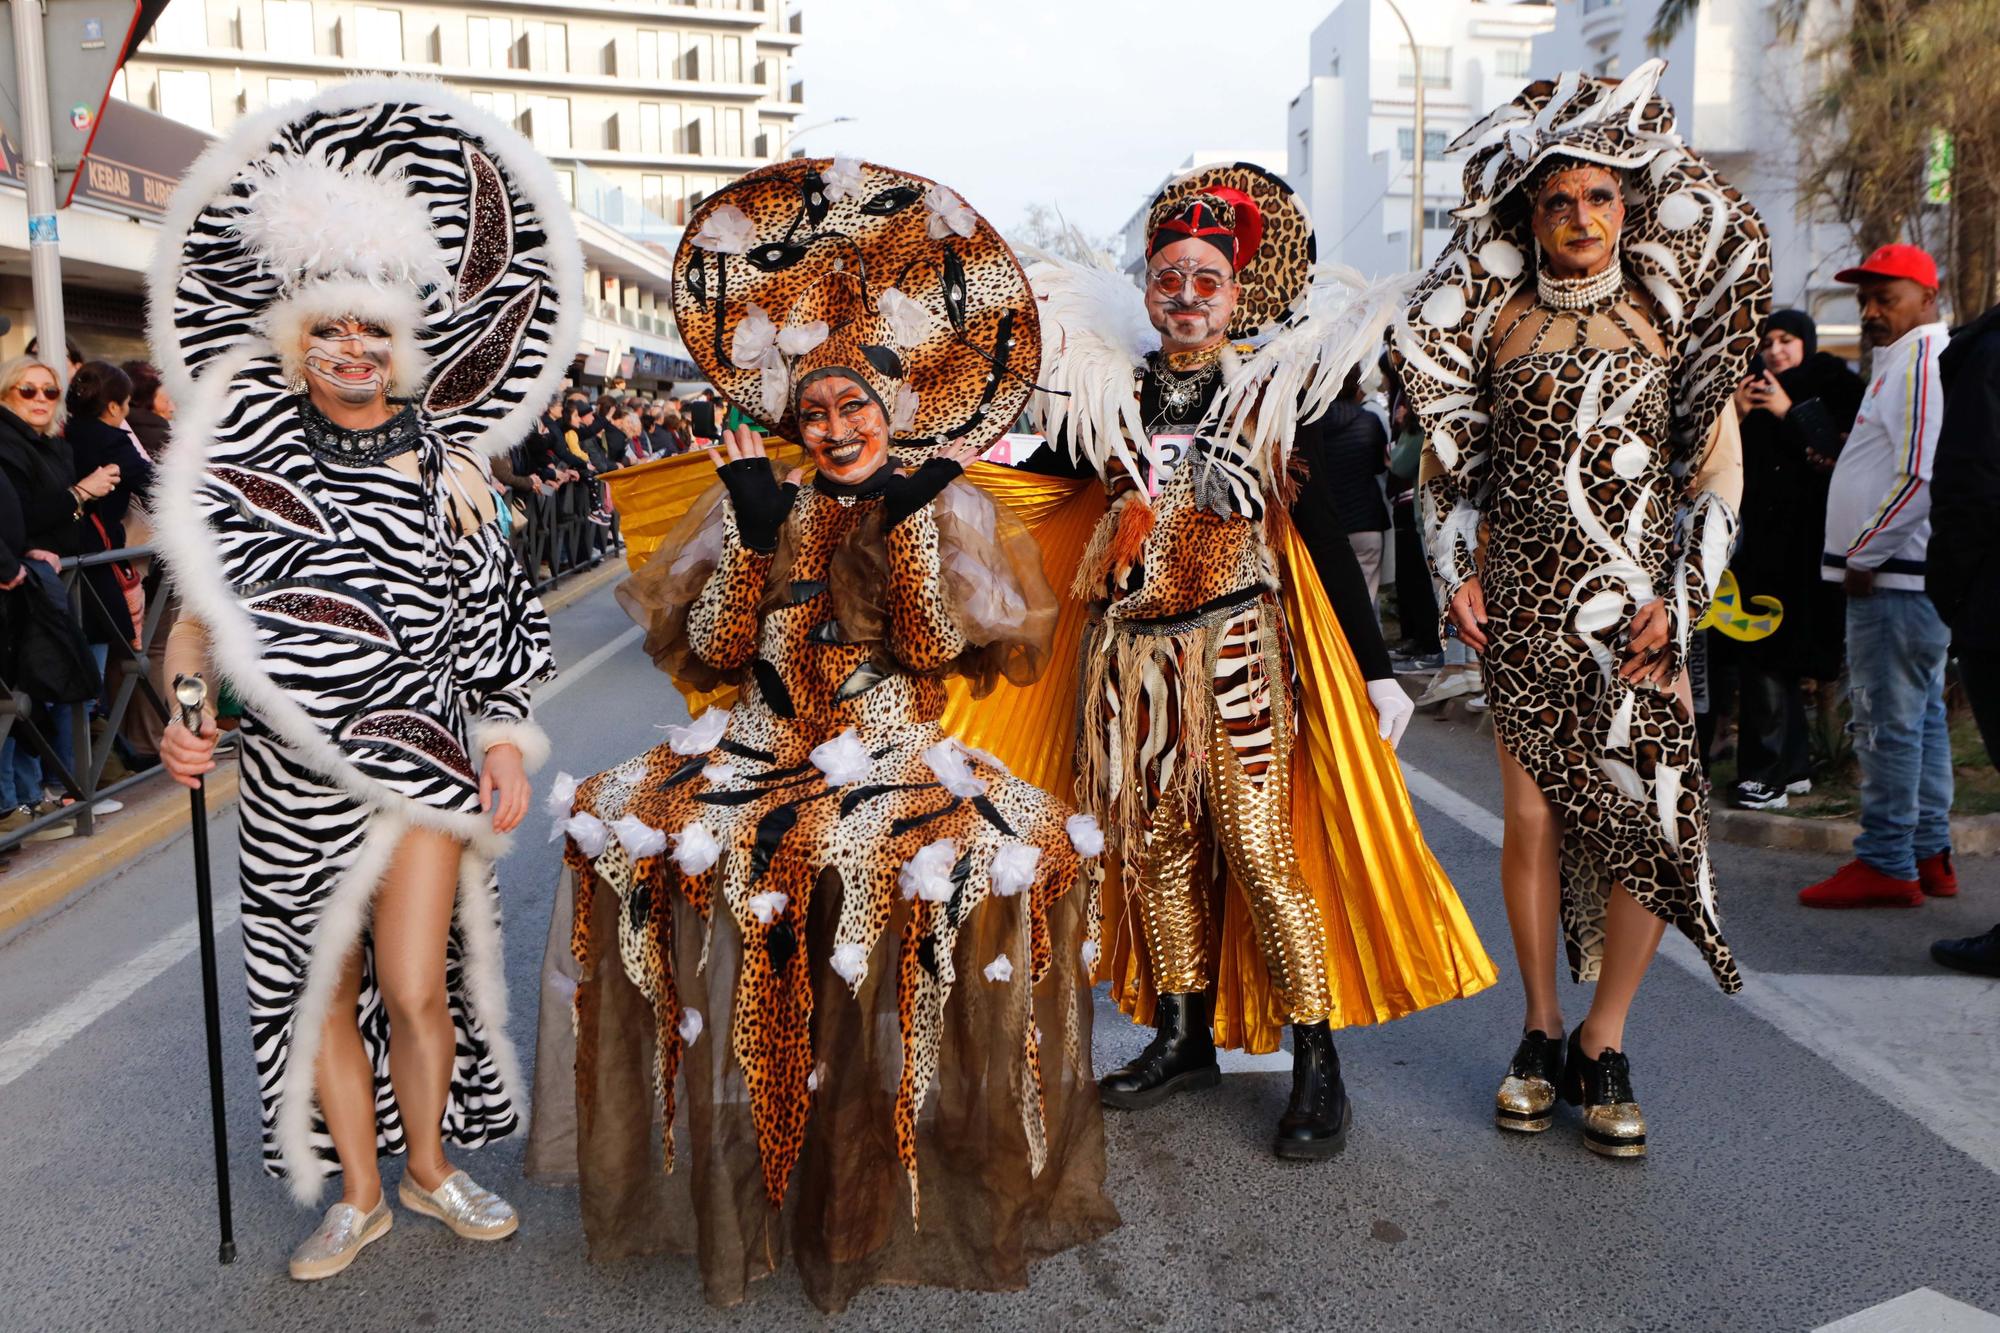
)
(464, 1205)
(340, 1236)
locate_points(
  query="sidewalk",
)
(46, 875)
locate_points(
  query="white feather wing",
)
(1094, 335)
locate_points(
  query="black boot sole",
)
(1191, 1081)
(1315, 1150)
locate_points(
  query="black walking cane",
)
(192, 692)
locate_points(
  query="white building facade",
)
(1352, 150)
(1739, 88)
(644, 107)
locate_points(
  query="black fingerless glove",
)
(904, 496)
(758, 501)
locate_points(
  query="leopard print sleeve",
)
(722, 625)
(922, 633)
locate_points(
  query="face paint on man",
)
(1191, 294)
(843, 428)
(1578, 214)
(349, 359)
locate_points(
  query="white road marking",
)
(1924, 1044)
(566, 678)
(46, 1035)
(1919, 1311)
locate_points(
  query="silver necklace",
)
(1179, 396)
(1584, 293)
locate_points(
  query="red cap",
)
(1895, 261)
(1193, 219)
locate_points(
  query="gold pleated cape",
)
(1397, 937)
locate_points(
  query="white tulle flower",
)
(754, 342)
(720, 772)
(695, 849)
(1085, 835)
(588, 832)
(843, 179)
(728, 231)
(640, 839)
(948, 762)
(766, 906)
(812, 1081)
(1000, 969)
(690, 1026)
(701, 735)
(1090, 953)
(843, 759)
(799, 339)
(910, 324)
(927, 875)
(850, 961)
(774, 388)
(904, 414)
(562, 793)
(1013, 868)
(949, 214)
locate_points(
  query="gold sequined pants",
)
(1250, 818)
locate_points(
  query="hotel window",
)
(182, 25)
(653, 195)
(378, 36)
(118, 88)
(288, 27)
(649, 127)
(1406, 143)
(732, 132)
(649, 56)
(489, 43)
(1437, 67)
(279, 91)
(184, 96)
(566, 186)
(732, 59)
(544, 46)
(550, 122)
(501, 105)
(1512, 62)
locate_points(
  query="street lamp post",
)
(1417, 150)
(816, 125)
(38, 169)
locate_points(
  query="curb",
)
(1971, 835)
(36, 892)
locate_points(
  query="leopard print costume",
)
(912, 835)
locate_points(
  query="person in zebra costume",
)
(368, 291)
(1272, 873)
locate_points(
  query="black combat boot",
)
(1179, 1058)
(1315, 1124)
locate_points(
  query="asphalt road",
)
(1827, 1142)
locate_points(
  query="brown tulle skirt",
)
(846, 1220)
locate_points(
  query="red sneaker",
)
(1858, 885)
(1937, 876)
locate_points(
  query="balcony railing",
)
(598, 198)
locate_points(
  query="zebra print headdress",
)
(390, 199)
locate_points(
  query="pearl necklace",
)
(1598, 289)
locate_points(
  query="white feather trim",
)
(309, 219)
(1013, 868)
(945, 760)
(639, 838)
(690, 1026)
(397, 309)
(1000, 969)
(1085, 835)
(523, 735)
(590, 834)
(843, 760)
(927, 875)
(850, 961)
(1095, 335)
(562, 794)
(695, 849)
(765, 906)
(699, 736)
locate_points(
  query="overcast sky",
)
(1084, 104)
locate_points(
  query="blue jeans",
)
(1896, 647)
(20, 772)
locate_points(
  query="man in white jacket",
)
(1878, 526)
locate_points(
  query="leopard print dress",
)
(813, 882)
(1583, 522)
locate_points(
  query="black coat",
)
(13, 531)
(1784, 517)
(42, 471)
(700, 416)
(1963, 563)
(1343, 452)
(93, 445)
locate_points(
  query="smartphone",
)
(1756, 371)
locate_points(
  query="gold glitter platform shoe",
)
(467, 1207)
(340, 1236)
(1612, 1124)
(1526, 1103)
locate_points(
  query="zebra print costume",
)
(380, 636)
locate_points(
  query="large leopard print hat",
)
(392, 200)
(821, 263)
(1690, 240)
(1279, 249)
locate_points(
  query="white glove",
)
(1392, 708)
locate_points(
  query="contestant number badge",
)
(1165, 454)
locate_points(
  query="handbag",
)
(52, 664)
(130, 585)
